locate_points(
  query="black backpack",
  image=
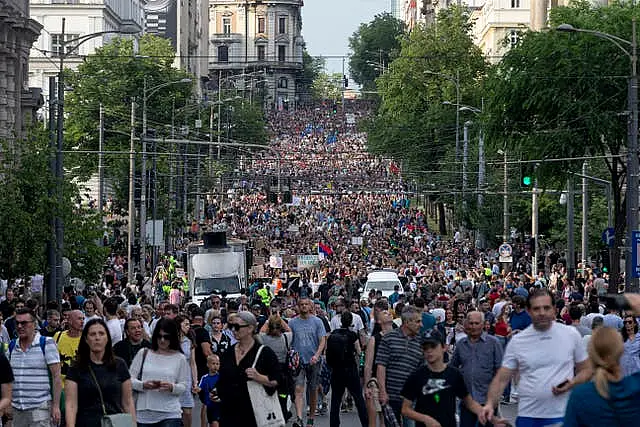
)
(339, 349)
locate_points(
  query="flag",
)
(393, 168)
(324, 249)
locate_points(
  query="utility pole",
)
(585, 213)
(51, 246)
(143, 184)
(132, 205)
(534, 226)
(465, 159)
(154, 256)
(101, 162)
(480, 182)
(219, 110)
(571, 250)
(631, 282)
(505, 200)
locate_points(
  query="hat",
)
(432, 336)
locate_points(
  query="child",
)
(208, 394)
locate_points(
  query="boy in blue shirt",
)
(208, 393)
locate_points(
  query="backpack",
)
(339, 349)
(14, 342)
(293, 359)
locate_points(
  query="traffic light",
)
(527, 174)
(346, 81)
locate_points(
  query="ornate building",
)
(18, 102)
(256, 46)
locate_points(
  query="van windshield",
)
(207, 286)
(382, 286)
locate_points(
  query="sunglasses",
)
(166, 337)
(236, 326)
(24, 322)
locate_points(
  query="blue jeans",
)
(172, 422)
(539, 422)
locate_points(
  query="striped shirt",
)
(401, 355)
(31, 387)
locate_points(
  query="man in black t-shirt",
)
(203, 341)
(435, 387)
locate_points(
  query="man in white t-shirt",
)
(356, 323)
(545, 354)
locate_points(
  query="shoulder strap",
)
(144, 357)
(58, 336)
(257, 357)
(43, 345)
(95, 380)
(286, 340)
(12, 346)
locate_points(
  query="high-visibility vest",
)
(265, 296)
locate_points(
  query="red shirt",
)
(501, 328)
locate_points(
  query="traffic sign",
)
(505, 250)
(609, 237)
(635, 246)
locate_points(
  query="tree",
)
(328, 87)
(374, 45)
(556, 95)
(311, 69)
(413, 124)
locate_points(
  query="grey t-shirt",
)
(307, 334)
(277, 344)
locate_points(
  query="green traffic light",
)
(526, 180)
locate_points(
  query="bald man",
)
(67, 341)
(478, 356)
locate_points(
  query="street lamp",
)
(631, 283)
(56, 273)
(146, 93)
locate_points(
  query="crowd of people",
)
(459, 338)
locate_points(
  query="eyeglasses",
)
(237, 326)
(164, 337)
(24, 322)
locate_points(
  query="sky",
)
(328, 24)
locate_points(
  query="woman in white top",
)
(160, 377)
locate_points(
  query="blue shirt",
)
(586, 408)
(307, 334)
(207, 383)
(428, 322)
(520, 320)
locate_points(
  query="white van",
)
(382, 280)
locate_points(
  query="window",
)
(282, 25)
(261, 52)
(513, 37)
(226, 26)
(261, 25)
(515, 3)
(223, 53)
(282, 53)
(56, 43)
(283, 83)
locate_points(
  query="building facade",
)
(186, 24)
(256, 47)
(81, 17)
(18, 102)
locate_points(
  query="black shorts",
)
(213, 413)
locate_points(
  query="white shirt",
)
(356, 323)
(544, 359)
(115, 330)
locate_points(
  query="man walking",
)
(478, 356)
(309, 339)
(68, 341)
(33, 359)
(546, 354)
(400, 354)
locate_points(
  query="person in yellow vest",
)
(265, 295)
(68, 341)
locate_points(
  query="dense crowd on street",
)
(459, 338)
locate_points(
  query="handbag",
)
(266, 408)
(293, 358)
(113, 420)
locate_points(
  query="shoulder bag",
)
(113, 420)
(266, 408)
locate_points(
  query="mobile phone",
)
(563, 383)
(618, 302)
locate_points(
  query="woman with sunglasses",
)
(236, 369)
(160, 376)
(630, 360)
(95, 379)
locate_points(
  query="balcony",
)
(226, 37)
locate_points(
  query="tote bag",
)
(266, 409)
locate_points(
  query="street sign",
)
(505, 251)
(635, 246)
(507, 259)
(609, 237)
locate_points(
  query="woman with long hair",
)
(610, 399)
(280, 342)
(220, 342)
(160, 377)
(187, 345)
(630, 360)
(97, 382)
(236, 370)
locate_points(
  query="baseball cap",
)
(431, 337)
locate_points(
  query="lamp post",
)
(67, 47)
(146, 93)
(631, 197)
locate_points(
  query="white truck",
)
(214, 268)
